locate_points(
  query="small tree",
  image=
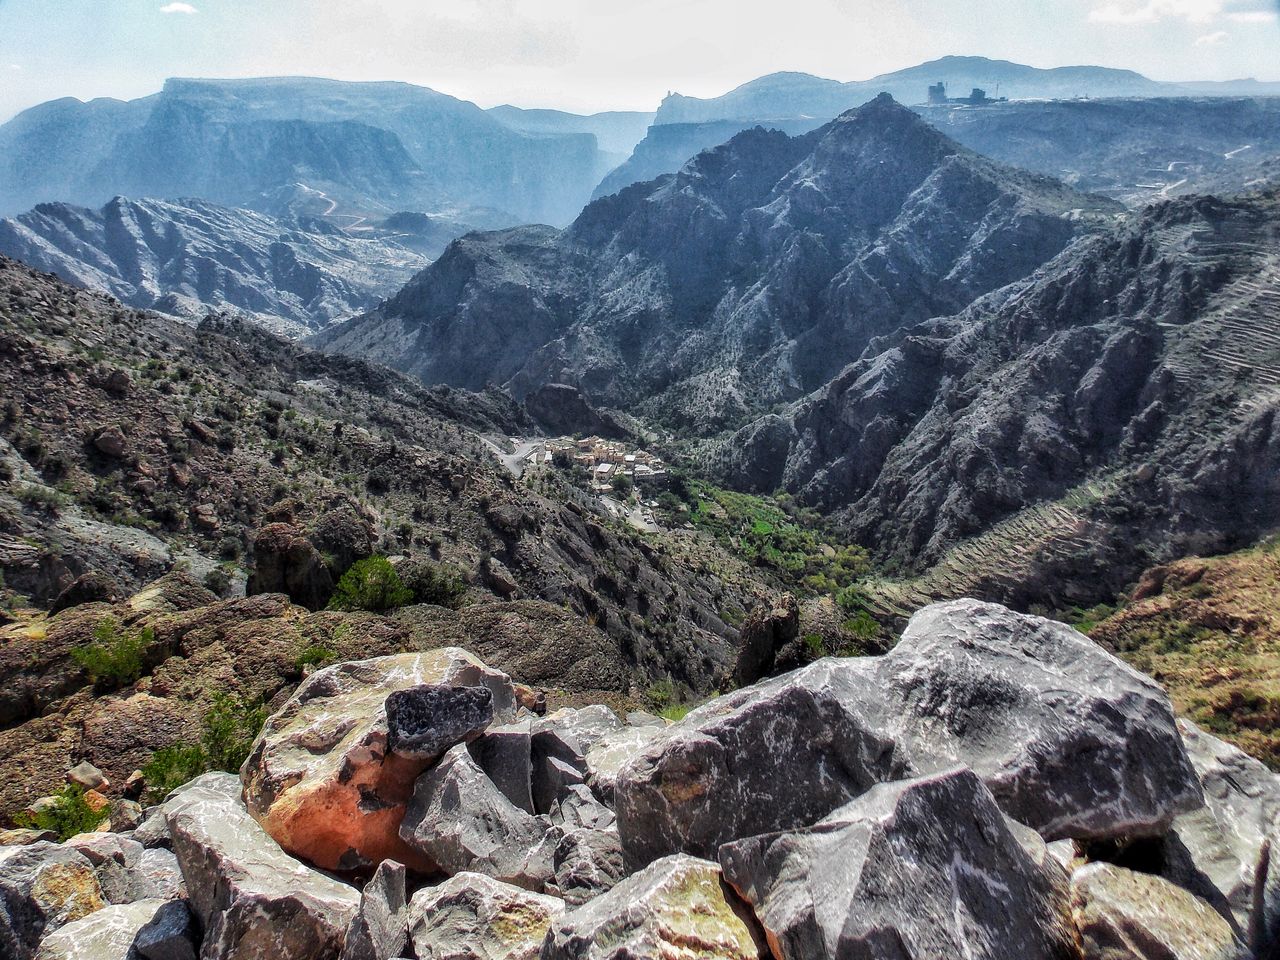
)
(373, 585)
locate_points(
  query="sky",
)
(588, 55)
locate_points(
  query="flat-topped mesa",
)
(331, 774)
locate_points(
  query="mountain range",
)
(277, 144)
(188, 257)
(748, 279)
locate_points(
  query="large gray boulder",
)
(474, 917)
(559, 746)
(676, 907)
(169, 935)
(43, 887)
(505, 754)
(107, 934)
(380, 930)
(918, 868)
(254, 901)
(117, 861)
(608, 755)
(588, 863)
(1123, 915)
(461, 821)
(1221, 844)
(1070, 741)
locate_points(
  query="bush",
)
(317, 654)
(435, 583)
(69, 815)
(230, 727)
(115, 658)
(371, 585)
(172, 767)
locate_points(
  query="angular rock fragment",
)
(676, 907)
(613, 751)
(107, 934)
(169, 935)
(504, 753)
(423, 722)
(559, 747)
(380, 929)
(578, 807)
(322, 778)
(253, 900)
(588, 863)
(474, 917)
(918, 868)
(1070, 741)
(43, 886)
(459, 820)
(116, 861)
(160, 876)
(1123, 915)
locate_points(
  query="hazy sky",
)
(598, 54)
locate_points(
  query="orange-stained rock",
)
(323, 779)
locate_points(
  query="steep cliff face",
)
(748, 279)
(1117, 408)
(188, 257)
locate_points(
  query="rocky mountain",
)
(1136, 150)
(190, 257)
(616, 131)
(747, 279)
(271, 144)
(782, 95)
(1115, 410)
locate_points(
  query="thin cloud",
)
(1253, 16)
(183, 8)
(1212, 39)
(1153, 11)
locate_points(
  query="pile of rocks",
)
(996, 787)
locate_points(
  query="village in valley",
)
(626, 478)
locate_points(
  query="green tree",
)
(373, 585)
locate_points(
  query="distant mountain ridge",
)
(747, 279)
(190, 257)
(796, 95)
(358, 149)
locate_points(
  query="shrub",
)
(373, 585)
(115, 657)
(170, 768)
(435, 583)
(317, 654)
(230, 727)
(68, 815)
(218, 581)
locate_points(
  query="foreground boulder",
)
(43, 887)
(920, 868)
(474, 917)
(108, 934)
(330, 775)
(460, 820)
(1069, 740)
(676, 907)
(1123, 915)
(380, 930)
(253, 900)
(1222, 843)
(588, 863)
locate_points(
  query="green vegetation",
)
(115, 657)
(230, 727)
(435, 583)
(68, 815)
(373, 585)
(773, 532)
(314, 655)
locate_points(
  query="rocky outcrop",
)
(474, 917)
(764, 639)
(334, 792)
(928, 866)
(1121, 915)
(253, 901)
(679, 904)
(562, 410)
(1017, 698)
(305, 560)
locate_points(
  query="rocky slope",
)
(132, 445)
(747, 279)
(1115, 410)
(188, 257)
(801, 94)
(271, 144)
(932, 802)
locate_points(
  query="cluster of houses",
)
(606, 461)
